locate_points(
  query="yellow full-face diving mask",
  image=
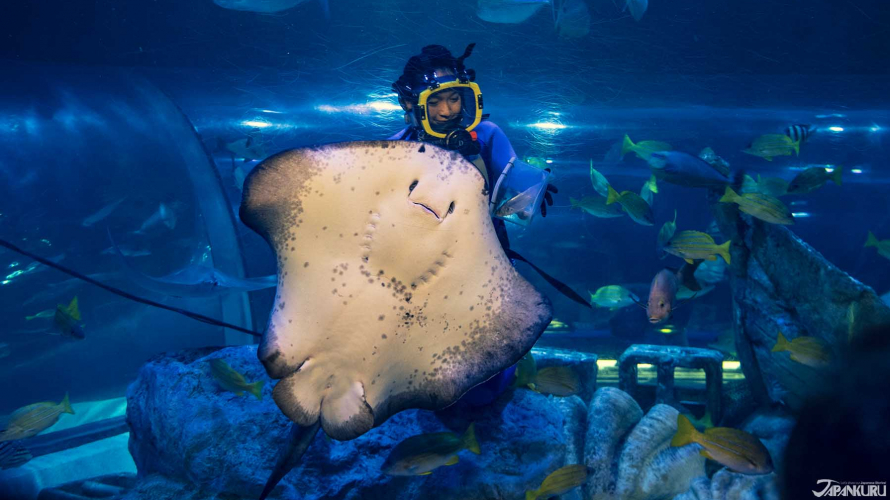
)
(449, 104)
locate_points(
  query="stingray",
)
(201, 280)
(393, 290)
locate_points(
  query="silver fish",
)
(102, 213)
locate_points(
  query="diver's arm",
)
(501, 151)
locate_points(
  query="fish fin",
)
(796, 147)
(532, 387)
(453, 460)
(871, 242)
(469, 439)
(729, 196)
(427, 473)
(637, 302)
(723, 250)
(29, 318)
(653, 186)
(531, 495)
(836, 175)
(613, 196)
(768, 158)
(626, 146)
(782, 344)
(687, 275)
(675, 217)
(66, 405)
(73, 309)
(239, 393)
(689, 261)
(679, 304)
(256, 389)
(685, 432)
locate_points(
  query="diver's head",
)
(444, 107)
(438, 94)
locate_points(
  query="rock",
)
(728, 485)
(191, 439)
(583, 363)
(630, 453)
(781, 284)
(773, 428)
(737, 401)
(574, 421)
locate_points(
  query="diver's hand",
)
(548, 199)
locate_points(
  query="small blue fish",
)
(684, 169)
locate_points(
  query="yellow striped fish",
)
(695, 245)
(643, 149)
(632, 203)
(33, 419)
(810, 351)
(560, 481)
(764, 207)
(735, 449)
(231, 380)
(560, 381)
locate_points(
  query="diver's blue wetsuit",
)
(496, 152)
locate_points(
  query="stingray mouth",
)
(428, 209)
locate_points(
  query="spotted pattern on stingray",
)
(365, 331)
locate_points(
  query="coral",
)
(630, 453)
(728, 485)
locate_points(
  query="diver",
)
(443, 107)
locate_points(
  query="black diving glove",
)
(548, 199)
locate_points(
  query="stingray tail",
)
(559, 285)
(291, 453)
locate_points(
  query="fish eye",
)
(451, 208)
(412, 186)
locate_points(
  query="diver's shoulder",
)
(398, 135)
(487, 127)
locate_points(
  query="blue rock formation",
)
(190, 437)
(781, 284)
